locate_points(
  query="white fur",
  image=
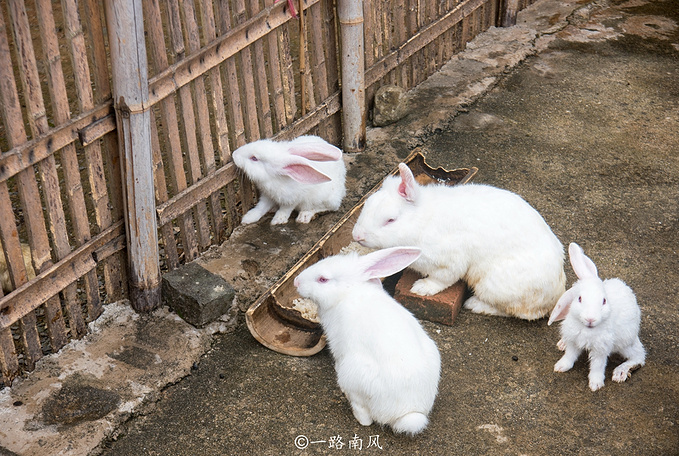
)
(600, 317)
(387, 366)
(489, 237)
(306, 174)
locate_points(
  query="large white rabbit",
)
(306, 174)
(489, 237)
(601, 317)
(387, 366)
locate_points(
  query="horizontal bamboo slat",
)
(91, 125)
(425, 36)
(54, 278)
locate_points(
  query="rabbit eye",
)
(391, 220)
(322, 279)
(604, 303)
(579, 298)
(253, 158)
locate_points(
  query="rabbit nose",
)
(358, 235)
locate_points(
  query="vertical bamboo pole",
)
(302, 58)
(29, 191)
(233, 106)
(72, 186)
(188, 118)
(278, 97)
(202, 116)
(334, 131)
(249, 96)
(318, 62)
(287, 73)
(510, 8)
(260, 76)
(170, 123)
(133, 119)
(249, 102)
(350, 13)
(114, 266)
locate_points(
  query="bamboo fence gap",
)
(221, 73)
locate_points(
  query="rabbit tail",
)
(411, 423)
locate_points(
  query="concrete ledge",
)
(75, 398)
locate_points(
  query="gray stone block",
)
(197, 295)
(391, 105)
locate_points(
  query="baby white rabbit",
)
(601, 317)
(489, 237)
(306, 174)
(387, 366)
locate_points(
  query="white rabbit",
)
(306, 174)
(386, 364)
(489, 237)
(602, 317)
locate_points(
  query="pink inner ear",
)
(562, 306)
(402, 189)
(582, 265)
(317, 152)
(384, 263)
(406, 189)
(305, 174)
(558, 316)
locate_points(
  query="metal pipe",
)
(352, 61)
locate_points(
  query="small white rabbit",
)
(387, 366)
(601, 317)
(489, 237)
(306, 174)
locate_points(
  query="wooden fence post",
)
(352, 60)
(510, 8)
(130, 94)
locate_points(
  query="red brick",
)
(443, 307)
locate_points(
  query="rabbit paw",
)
(426, 287)
(561, 345)
(362, 415)
(563, 365)
(282, 215)
(305, 216)
(481, 307)
(279, 221)
(595, 382)
(251, 216)
(621, 373)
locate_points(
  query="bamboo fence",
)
(221, 73)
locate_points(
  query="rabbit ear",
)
(562, 306)
(408, 187)
(304, 173)
(316, 151)
(584, 267)
(386, 262)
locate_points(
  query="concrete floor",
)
(576, 109)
